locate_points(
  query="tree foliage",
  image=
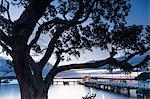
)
(72, 26)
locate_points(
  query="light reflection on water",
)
(9, 92)
(60, 92)
(67, 92)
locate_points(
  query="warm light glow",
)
(103, 96)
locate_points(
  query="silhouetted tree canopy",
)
(72, 26)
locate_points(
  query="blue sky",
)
(140, 12)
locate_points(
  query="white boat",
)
(5, 81)
(90, 95)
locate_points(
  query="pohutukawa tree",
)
(73, 26)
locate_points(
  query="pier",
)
(57, 81)
(118, 87)
(65, 82)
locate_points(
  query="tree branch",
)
(79, 12)
(25, 24)
(127, 66)
(111, 61)
(5, 39)
(59, 31)
(50, 48)
(88, 12)
(4, 20)
(54, 71)
(6, 48)
(41, 27)
(96, 64)
(120, 64)
(57, 61)
(49, 77)
(32, 64)
(8, 14)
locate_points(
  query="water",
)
(78, 91)
(11, 91)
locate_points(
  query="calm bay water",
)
(78, 91)
(60, 92)
(11, 91)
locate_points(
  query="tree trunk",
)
(33, 94)
(31, 88)
(31, 83)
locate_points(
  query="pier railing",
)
(132, 85)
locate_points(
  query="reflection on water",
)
(60, 92)
(67, 92)
(9, 92)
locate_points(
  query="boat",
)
(90, 95)
(5, 81)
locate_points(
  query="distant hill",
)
(5, 67)
(143, 76)
(7, 70)
(135, 60)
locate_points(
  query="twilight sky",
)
(139, 14)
